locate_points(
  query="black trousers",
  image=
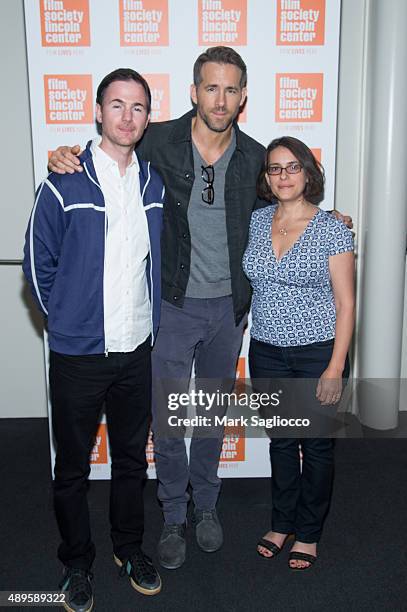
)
(80, 385)
(300, 499)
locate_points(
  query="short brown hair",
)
(123, 74)
(220, 55)
(314, 188)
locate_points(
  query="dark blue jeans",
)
(204, 330)
(300, 498)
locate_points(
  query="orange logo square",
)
(65, 23)
(299, 97)
(317, 153)
(160, 96)
(222, 22)
(143, 23)
(68, 98)
(241, 368)
(234, 444)
(300, 22)
(240, 376)
(150, 449)
(99, 451)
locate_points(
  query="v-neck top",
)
(209, 275)
(293, 302)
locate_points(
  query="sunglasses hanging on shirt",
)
(208, 176)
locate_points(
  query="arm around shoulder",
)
(65, 160)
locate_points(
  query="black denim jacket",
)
(168, 146)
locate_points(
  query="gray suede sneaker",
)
(208, 530)
(172, 546)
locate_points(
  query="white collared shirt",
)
(127, 315)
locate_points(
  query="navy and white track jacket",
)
(64, 255)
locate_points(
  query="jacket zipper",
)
(104, 268)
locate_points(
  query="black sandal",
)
(269, 545)
(301, 556)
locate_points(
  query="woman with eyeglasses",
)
(300, 263)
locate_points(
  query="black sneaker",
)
(76, 587)
(142, 573)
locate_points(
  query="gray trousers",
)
(204, 330)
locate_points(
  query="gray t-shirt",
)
(210, 271)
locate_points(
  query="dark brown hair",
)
(123, 74)
(314, 188)
(220, 55)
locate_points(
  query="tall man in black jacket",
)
(210, 169)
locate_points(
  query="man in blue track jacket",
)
(92, 258)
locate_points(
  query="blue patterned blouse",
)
(293, 302)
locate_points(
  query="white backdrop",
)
(291, 49)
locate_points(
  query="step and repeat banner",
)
(291, 49)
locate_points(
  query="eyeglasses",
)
(208, 175)
(293, 168)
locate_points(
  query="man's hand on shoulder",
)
(346, 219)
(65, 160)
